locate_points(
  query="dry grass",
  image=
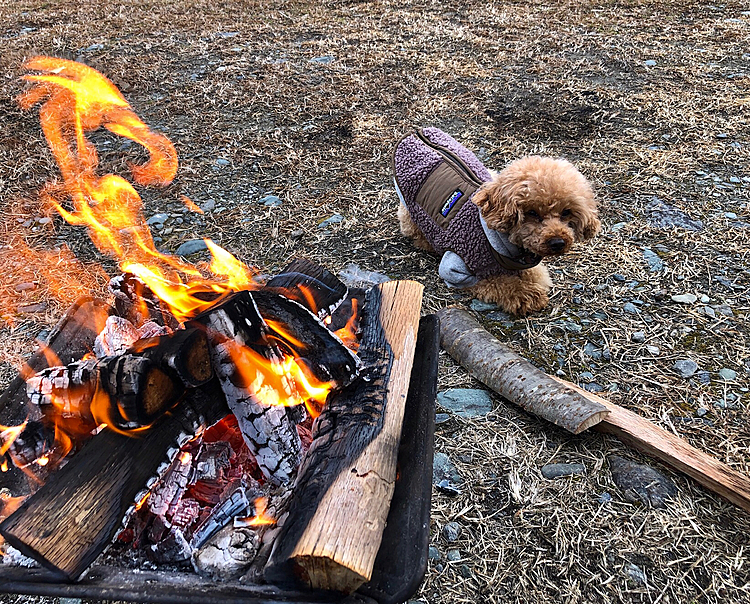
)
(235, 81)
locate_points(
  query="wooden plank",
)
(513, 377)
(344, 488)
(642, 435)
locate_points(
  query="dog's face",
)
(543, 204)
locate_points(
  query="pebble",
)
(618, 277)
(465, 571)
(650, 63)
(685, 367)
(640, 482)
(479, 306)
(655, 350)
(444, 469)
(701, 411)
(335, 219)
(441, 418)
(557, 470)
(157, 219)
(222, 162)
(638, 337)
(704, 299)
(703, 377)
(447, 487)
(325, 60)
(664, 216)
(297, 234)
(728, 375)
(630, 308)
(22, 287)
(593, 387)
(655, 264)
(270, 201)
(730, 215)
(636, 574)
(466, 402)
(433, 553)
(453, 555)
(570, 326)
(723, 309)
(208, 205)
(586, 376)
(192, 246)
(605, 497)
(500, 317)
(709, 312)
(44, 220)
(452, 531)
(684, 298)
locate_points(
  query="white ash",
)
(13, 557)
(227, 554)
(119, 334)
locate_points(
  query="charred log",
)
(343, 490)
(308, 283)
(236, 330)
(69, 521)
(135, 301)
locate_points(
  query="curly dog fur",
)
(544, 205)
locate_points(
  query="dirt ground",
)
(305, 100)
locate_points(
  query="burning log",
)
(69, 521)
(237, 332)
(502, 370)
(135, 301)
(308, 283)
(69, 340)
(139, 386)
(344, 487)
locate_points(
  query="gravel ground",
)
(305, 100)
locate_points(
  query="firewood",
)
(646, 437)
(512, 376)
(300, 334)
(343, 490)
(69, 521)
(313, 286)
(235, 330)
(135, 301)
(69, 340)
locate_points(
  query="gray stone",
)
(593, 387)
(650, 63)
(655, 350)
(708, 311)
(557, 470)
(297, 234)
(655, 264)
(192, 246)
(447, 487)
(592, 351)
(586, 376)
(335, 219)
(730, 215)
(453, 555)
(433, 553)
(618, 277)
(723, 309)
(222, 162)
(499, 316)
(684, 298)
(685, 367)
(703, 377)
(325, 60)
(661, 215)
(636, 574)
(701, 411)
(444, 469)
(479, 306)
(638, 337)
(451, 531)
(209, 205)
(705, 299)
(630, 308)
(270, 201)
(605, 497)
(640, 482)
(441, 418)
(466, 402)
(465, 571)
(728, 375)
(571, 326)
(157, 219)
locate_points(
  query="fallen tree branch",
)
(513, 377)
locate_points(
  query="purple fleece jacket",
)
(413, 162)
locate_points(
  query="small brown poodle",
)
(492, 229)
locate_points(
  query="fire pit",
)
(249, 427)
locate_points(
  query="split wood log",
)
(646, 437)
(343, 491)
(237, 334)
(512, 376)
(69, 521)
(135, 301)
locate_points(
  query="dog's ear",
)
(587, 225)
(499, 200)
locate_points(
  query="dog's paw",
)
(527, 302)
(516, 295)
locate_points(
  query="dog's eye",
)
(565, 213)
(532, 214)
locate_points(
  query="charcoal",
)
(313, 286)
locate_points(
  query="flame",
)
(75, 100)
(282, 382)
(42, 461)
(185, 458)
(348, 333)
(4, 466)
(261, 518)
(8, 434)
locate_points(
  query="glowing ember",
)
(260, 518)
(42, 461)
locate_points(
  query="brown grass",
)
(235, 80)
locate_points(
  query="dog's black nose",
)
(556, 244)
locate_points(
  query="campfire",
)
(201, 416)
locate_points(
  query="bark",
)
(343, 491)
(512, 376)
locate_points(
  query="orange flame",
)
(260, 518)
(8, 434)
